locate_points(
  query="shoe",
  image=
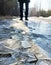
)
(26, 18)
(21, 18)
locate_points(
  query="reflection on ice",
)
(43, 28)
(41, 33)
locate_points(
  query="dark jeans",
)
(26, 10)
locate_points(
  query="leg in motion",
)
(26, 12)
(21, 10)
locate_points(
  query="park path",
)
(19, 41)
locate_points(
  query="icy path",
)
(20, 41)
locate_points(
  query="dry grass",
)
(7, 17)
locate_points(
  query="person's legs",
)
(21, 10)
(26, 12)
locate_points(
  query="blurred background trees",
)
(43, 13)
(11, 7)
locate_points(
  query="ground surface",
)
(25, 39)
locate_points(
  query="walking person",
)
(21, 2)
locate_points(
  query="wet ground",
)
(21, 43)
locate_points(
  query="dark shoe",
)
(26, 18)
(21, 18)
